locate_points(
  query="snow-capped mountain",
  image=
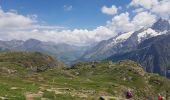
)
(148, 33)
(153, 54)
(125, 42)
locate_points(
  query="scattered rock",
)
(129, 78)
(107, 98)
(3, 98)
(14, 88)
(93, 66)
(156, 82)
(31, 96)
(77, 73)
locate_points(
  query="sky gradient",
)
(77, 22)
(82, 14)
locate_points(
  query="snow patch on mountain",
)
(117, 40)
(148, 33)
(123, 37)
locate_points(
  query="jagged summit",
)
(161, 25)
(125, 42)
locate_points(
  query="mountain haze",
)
(64, 52)
(125, 42)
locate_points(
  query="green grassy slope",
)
(83, 81)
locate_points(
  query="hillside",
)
(153, 54)
(83, 81)
(30, 61)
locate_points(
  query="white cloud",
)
(159, 7)
(123, 22)
(68, 7)
(138, 10)
(76, 36)
(110, 11)
(11, 20)
(162, 9)
(24, 27)
(143, 19)
(17, 26)
(120, 23)
(144, 3)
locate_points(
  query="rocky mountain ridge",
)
(125, 42)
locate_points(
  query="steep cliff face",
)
(153, 54)
(161, 25)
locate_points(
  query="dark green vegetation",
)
(83, 81)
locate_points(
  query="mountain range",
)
(125, 42)
(153, 54)
(38, 75)
(150, 47)
(64, 52)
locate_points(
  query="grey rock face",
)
(153, 54)
(161, 25)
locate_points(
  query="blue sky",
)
(83, 14)
(77, 22)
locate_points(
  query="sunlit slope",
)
(84, 81)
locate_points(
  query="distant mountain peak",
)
(125, 42)
(161, 25)
(33, 40)
(120, 33)
(31, 43)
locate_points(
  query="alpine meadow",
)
(84, 49)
